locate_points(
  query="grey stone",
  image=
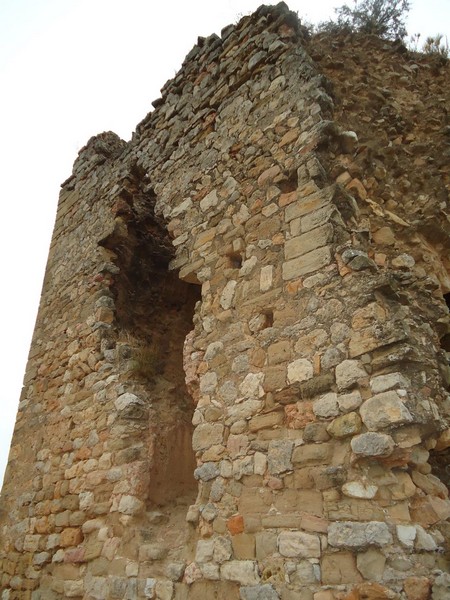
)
(209, 512)
(207, 471)
(373, 444)
(382, 383)
(424, 541)
(222, 549)
(326, 406)
(406, 534)
(348, 372)
(258, 592)
(204, 552)
(384, 410)
(280, 456)
(441, 587)
(349, 402)
(256, 59)
(347, 534)
(227, 296)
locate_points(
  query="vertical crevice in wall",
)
(154, 312)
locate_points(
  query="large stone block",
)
(359, 535)
(298, 544)
(384, 410)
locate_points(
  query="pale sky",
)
(70, 69)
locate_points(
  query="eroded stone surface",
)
(238, 382)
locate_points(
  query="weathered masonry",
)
(238, 385)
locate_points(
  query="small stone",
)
(441, 587)
(207, 471)
(258, 592)
(128, 401)
(204, 552)
(326, 406)
(298, 544)
(382, 383)
(359, 489)
(403, 261)
(424, 541)
(130, 505)
(251, 387)
(373, 444)
(349, 402)
(417, 588)
(266, 278)
(73, 588)
(348, 141)
(256, 59)
(347, 374)
(300, 370)
(406, 534)
(244, 572)
(279, 456)
(235, 524)
(227, 296)
(206, 435)
(384, 410)
(371, 564)
(345, 425)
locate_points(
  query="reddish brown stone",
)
(417, 588)
(235, 524)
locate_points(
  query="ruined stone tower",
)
(238, 381)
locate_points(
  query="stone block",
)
(296, 544)
(302, 244)
(388, 381)
(258, 592)
(243, 546)
(206, 435)
(265, 544)
(345, 425)
(417, 588)
(244, 572)
(279, 352)
(299, 370)
(265, 421)
(312, 454)
(371, 564)
(373, 444)
(339, 568)
(303, 206)
(279, 457)
(326, 406)
(358, 535)
(348, 372)
(71, 536)
(307, 263)
(384, 410)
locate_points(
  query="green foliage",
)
(385, 18)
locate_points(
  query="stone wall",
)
(238, 381)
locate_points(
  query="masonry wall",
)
(239, 368)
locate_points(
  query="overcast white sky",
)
(70, 69)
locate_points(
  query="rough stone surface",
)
(373, 444)
(358, 535)
(238, 382)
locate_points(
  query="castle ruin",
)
(238, 384)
